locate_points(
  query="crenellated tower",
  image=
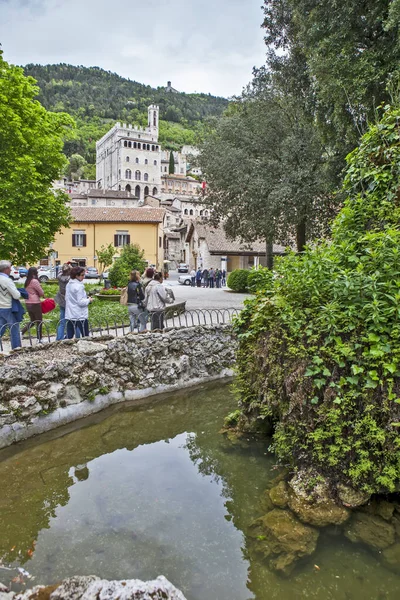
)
(153, 115)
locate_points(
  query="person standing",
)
(147, 277)
(198, 277)
(218, 277)
(33, 302)
(77, 305)
(205, 278)
(193, 277)
(136, 310)
(223, 279)
(155, 301)
(8, 292)
(63, 278)
(211, 277)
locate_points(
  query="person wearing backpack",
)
(136, 309)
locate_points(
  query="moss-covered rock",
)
(371, 530)
(319, 513)
(281, 539)
(280, 495)
(351, 497)
(380, 507)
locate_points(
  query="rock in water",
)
(371, 530)
(282, 539)
(93, 588)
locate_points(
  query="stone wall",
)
(47, 386)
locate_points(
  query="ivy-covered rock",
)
(319, 354)
(281, 539)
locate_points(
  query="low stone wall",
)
(47, 386)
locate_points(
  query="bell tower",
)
(153, 115)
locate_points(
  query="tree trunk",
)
(301, 235)
(268, 254)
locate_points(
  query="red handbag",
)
(48, 305)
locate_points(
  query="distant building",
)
(105, 198)
(128, 158)
(93, 227)
(170, 89)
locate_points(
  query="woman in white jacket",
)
(77, 305)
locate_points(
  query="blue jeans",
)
(8, 320)
(77, 328)
(61, 325)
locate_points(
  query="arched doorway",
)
(155, 191)
(128, 188)
(137, 191)
(146, 190)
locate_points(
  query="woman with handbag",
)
(33, 302)
(77, 305)
(136, 309)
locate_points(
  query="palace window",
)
(137, 160)
(128, 174)
(137, 175)
(155, 163)
(127, 159)
(146, 162)
(146, 177)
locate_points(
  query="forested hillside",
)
(97, 98)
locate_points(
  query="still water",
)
(140, 491)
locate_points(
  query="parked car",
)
(14, 274)
(45, 273)
(185, 279)
(91, 273)
(183, 268)
(23, 271)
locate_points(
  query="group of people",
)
(209, 278)
(146, 300)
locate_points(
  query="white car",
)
(14, 274)
(185, 279)
(45, 273)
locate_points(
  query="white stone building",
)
(129, 158)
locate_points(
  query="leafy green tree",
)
(266, 169)
(350, 50)
(171, 166)
(132, 257)
(105, 256)
(75, 167)
(31, 143)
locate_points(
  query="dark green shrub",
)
(132, 257)
(319, 352)
(237, 280)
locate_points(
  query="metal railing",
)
(46, 331)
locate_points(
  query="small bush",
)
(132, 257)
(237, 280)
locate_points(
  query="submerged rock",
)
(391, 557)
(282, 539)
(93, 588)
(318, 513)
(280, 495)
(371, 530)
(379, 507)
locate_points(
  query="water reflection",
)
(140, 492)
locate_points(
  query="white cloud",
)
(209, 46)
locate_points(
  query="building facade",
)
(128, 158)
(94, 227)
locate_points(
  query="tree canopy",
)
(31, 143)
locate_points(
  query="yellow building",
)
(95, 227)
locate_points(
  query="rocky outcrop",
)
(281, 539)
(47, 386)
(94, 588)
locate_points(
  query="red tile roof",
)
(144, 214)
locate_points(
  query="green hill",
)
(97, 98)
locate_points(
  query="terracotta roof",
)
(218, 242)
(145, 214)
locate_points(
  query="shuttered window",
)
(79, 239)
(121, 239)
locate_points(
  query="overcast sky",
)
(199, 45)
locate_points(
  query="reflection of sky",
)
(144, 513)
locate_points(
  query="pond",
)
(143, 490)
